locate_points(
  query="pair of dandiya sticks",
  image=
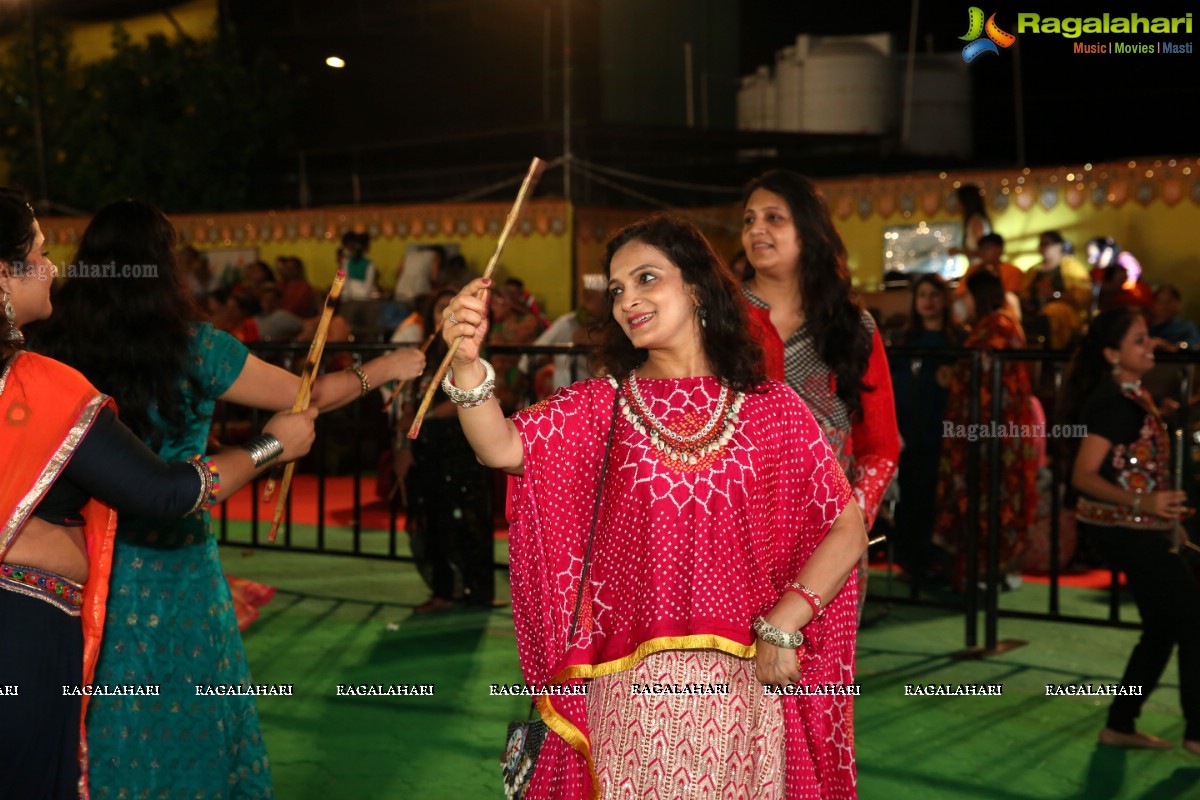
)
(309, 373)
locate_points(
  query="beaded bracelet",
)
(210, 483)
(471, 398)
(812, 598)
(363, 381)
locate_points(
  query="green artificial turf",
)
(338, 620)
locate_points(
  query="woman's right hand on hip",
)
(467, 317)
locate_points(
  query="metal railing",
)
(361, 423)
(356, 425)
(992, 579)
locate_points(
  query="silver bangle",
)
(363, 381)
(471, 398)
(263, 449)
(772, 635)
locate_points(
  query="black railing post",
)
(997, 425)
(971, 541)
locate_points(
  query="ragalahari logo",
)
(996, 38)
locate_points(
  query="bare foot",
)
(1192, 746)
(434, 604)
(1141, 740)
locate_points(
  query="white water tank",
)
(789, 90)
(745, 102)
(756, 101)
(850, 85)
(941, 107)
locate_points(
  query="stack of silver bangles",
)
(471, 398)
(263, 449)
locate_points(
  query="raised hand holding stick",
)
(531, 178)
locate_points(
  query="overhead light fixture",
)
(335, 62)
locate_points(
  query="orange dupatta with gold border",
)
(46, 408)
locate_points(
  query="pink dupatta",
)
(685, 557)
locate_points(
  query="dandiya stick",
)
(387, 406)
(531, 179)
(307, 377)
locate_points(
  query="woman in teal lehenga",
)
(171, 620)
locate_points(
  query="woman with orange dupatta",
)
(724, 536)
(67, 462)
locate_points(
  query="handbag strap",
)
(587, 553)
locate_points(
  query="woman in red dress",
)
(724, 529)
(993, 328)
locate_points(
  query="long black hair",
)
(916, 325)
(128, 332)
(1089, 368)
(732, 352)
(831, 309)
(16, 237)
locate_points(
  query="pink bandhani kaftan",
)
(685, 557)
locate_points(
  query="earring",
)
(703, 315)
(14, 335)
(1116, 369)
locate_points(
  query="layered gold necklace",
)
(689, 449)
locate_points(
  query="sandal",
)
(434, 604)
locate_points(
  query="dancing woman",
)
(1128, 510)
(172, 620)
(724, 535)
(68, 462)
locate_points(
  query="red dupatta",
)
(46, 408)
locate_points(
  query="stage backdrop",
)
(1150, 207)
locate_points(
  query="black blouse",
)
(114, 466)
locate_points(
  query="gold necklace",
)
(689, 449)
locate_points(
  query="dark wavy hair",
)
(1089, 367)
(734, 355)
(128, 335)
(16, 237)
(916, 325)
(831, 309)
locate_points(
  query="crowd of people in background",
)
(798, 319)
(997, 306)
(994, 305)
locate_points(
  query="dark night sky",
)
(1077, 107)
(458, 86)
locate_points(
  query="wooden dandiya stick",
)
(387, 405)
(307, 377)
(531, 179)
